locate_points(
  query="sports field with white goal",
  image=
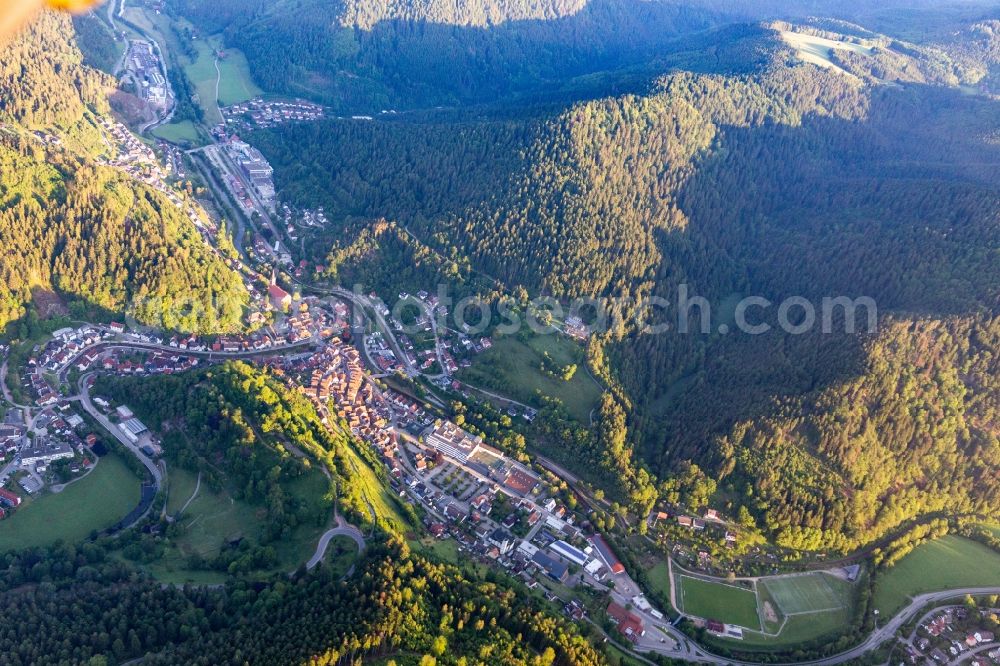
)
(770, 609)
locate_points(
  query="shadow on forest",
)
(900, 207)
(609, 47)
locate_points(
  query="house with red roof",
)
(628, 623)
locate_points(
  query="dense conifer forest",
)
(92, 233)
(561, 148)
(779, 180)
(80, 605)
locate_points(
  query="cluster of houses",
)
(576, 329)
(259, 112)
(53, 438)
(551, 545)
(174, 157)
(12, 437)
(703, 534)
(308, 218)
(456, 348)
(235, 186)
(139, 161)
(381, 355)
(334, 379)
(65, 345)
(124, 362)
(951, 634)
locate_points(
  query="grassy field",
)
(514, 367)
(949, 562)
(659, 578)
(215, 516)
(236, 84)
(819, 50)
(180, 485)
(179, 132)
(340, 555)
(799, 628)
(808, 593)
(233, 76)
(378, 496)
(618, 658)
(718, 601)
(807, 607)
(95, 502)
(443, 549)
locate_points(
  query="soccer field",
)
(808, 593)
(719, 601)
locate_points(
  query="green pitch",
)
(719, 601)
(805, 594)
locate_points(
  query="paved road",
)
(966, 656)
(6, 390)
(84, 399)
(343, 529)
(210, 355)
(888, 631)
(875, 640)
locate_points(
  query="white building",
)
(454, 442)
(45, 451)
(133, 429)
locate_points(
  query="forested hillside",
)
(361, 56)
(89, 231)
(80, 605)
(43, 81)
(869, 178)
(369, 56)
(243, 430)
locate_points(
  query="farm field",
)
(718, 601)
(95, 502)
(233, 78)
(948, 562)
(236, 84)
(513, 367)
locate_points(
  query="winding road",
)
(343, 529)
